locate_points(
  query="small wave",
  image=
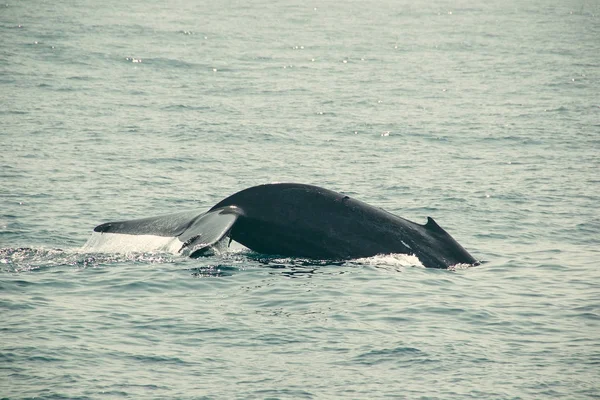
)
(393, 355)
(24, 259)
(185, 107)
(213, 271)
(170, 63)
(560, 109)
(133, 59)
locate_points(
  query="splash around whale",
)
(298, 220)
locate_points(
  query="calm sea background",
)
(483, 115)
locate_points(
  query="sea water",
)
(483, 115)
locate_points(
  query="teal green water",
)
(483, 116)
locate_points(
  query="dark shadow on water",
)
(269, 260)
(293, 267)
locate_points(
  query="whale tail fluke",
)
(196, 232)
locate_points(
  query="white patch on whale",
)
(122, 243)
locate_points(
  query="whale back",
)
(308, 221)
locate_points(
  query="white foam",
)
(457, 267)
(120, 243)
(391, 260)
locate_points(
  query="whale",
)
(304, 221)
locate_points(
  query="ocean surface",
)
(483, 115)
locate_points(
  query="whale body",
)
(298, 220)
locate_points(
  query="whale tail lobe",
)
(196, 232)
